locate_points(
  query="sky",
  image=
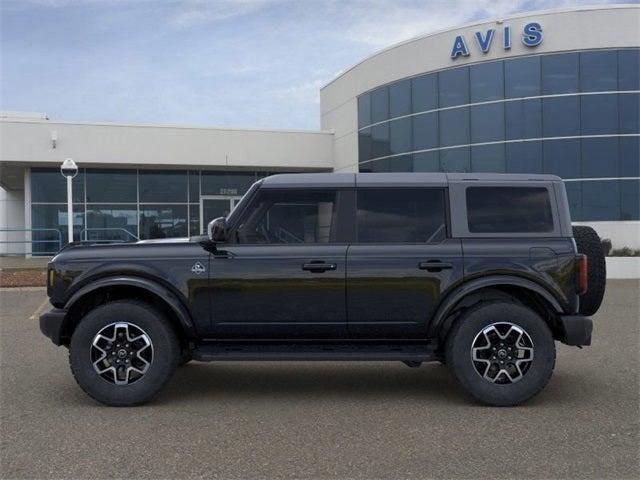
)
(227, 63)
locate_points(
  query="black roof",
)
(400, 179)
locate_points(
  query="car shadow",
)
(217, 381)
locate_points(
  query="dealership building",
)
(545, 92)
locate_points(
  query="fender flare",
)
(182, 314)
(451, 300)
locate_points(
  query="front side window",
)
(289, 217)
(386, 215)
(509, 210)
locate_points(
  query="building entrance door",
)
(214, 206)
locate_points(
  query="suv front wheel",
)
(501, 353)
(122, 353)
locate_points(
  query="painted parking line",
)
(40, 309)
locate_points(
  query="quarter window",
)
(509, 210)
(401, 216)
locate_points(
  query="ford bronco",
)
(481, 272)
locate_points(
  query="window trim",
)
(445, 202)
(257, 195)
(459, 213)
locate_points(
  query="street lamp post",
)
(69, 169)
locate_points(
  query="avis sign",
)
(531, 37)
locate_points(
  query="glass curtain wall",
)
(574, 115)
(119, 205)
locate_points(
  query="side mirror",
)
(217, 230)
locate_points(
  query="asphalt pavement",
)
(322, 420)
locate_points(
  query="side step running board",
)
(403, 352)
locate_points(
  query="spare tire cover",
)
(589, 244)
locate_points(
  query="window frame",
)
(447, 218)
(459, 214)
(337, 222)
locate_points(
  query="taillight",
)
(583, 279)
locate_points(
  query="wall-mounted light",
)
(54, 138)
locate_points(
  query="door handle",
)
(318, 266)
(435, 266)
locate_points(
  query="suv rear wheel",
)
(501, 353)
(122, 353)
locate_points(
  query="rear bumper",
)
(576, 330)
(52, 323)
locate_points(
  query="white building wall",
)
(30, 142)
(11, 217)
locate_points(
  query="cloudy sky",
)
(246, 63)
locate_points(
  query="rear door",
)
(401, 262)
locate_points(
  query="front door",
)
(283, 273)
(401, 263)
(214, 206)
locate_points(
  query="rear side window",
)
(509, 210)
(391, 215)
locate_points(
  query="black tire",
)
(589, 244)
(165, 352)
(458, 351)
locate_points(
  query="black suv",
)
(479, 272)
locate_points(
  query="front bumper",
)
(576, 330)
(52, 324)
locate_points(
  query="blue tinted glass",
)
(455, 160)
(562, 158)
(630, 156)
(163, 186)
(163, 221)
(454, 127)
(629, 70)
(574, 195)
(364, 145)
(599, 71)
(523, 119)
(379, 104)
(194, 219)
(487, 81)
(194, 186)
(630, 200)
(364, 110)
(49, 186)
(424, 92)
(425, 131)
(487, 123)
(453, 87)
(376, 166)
(522, 77)
(400, 135)
(380, 140)
(52, 217)
(524, 157)
(400, 98)
(599, 114)
(488, 158)
(629, 113)
(112, 186)
(560, 73)
(112, 222)
(402, 163)
(600, 157)
(601, 200)
(426, 162)
(561, 116)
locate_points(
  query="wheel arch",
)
(518, 289)
(108, 289)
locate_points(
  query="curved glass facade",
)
(574, 115)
